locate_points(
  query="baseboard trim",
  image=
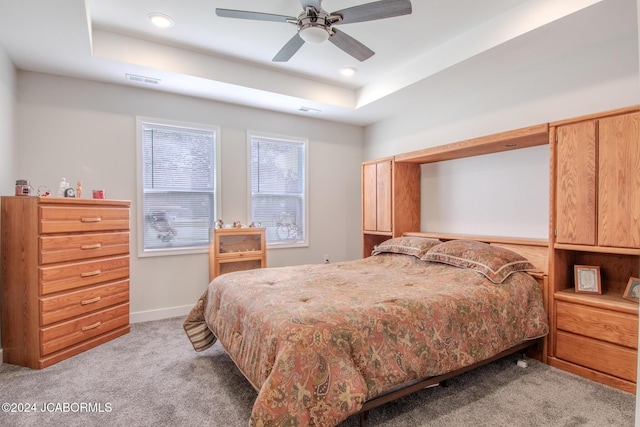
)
(163, 313)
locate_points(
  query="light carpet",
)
(153, 377)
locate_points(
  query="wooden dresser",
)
(65, 276)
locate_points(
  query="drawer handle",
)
(94, 246)
(91, 301)
(98, 219)
(90, 273)
(88, 328)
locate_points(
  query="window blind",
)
(178, 175)
(277, 169)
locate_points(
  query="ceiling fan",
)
(315, 25)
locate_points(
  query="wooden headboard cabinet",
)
(594, 222)
(391, 186)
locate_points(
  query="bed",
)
(323, 342)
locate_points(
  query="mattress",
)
(317, 341)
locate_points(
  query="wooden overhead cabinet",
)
(377, 196)
(598, 181)
(390, 200)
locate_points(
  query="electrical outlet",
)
(326, 259)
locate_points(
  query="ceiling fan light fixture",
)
(160, 20)
(314, 33)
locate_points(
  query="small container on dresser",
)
(65, 276)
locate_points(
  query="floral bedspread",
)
(317, 341)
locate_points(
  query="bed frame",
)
(537, 252)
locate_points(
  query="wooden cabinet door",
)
(384, 194)
(376, 196)
(576, 183)
(369, 196)
(619, 181)
(236, 249)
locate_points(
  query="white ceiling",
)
(230, 59)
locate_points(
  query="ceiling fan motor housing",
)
(315, 26)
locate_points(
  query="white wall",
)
(480, 97)
(476, 195)
(84, 130)
(7, 140)
(7, 108)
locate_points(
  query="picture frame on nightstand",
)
(632, 292)
(587, 279)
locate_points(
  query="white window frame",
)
(140, 120)
(284, 139)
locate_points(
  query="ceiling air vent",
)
(308, 109)
(142, 79)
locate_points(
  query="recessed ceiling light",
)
(348, 71)
(160, 20)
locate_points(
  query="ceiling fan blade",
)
(350, 45)
(256, 16)
(289, 49)
(375, 10)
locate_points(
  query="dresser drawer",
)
(598, 355)
(72, 219)
(606, 325)
(70, 304)
(64, 277)
(66, 334)
(76, 247)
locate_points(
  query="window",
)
(177, 181)
(278, 180)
